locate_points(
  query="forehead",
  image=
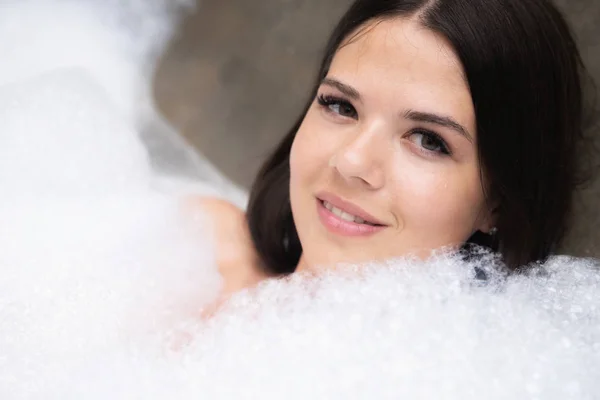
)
(402, 43)
(401, 58)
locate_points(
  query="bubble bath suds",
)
(103, 269)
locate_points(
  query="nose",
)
(360, 160)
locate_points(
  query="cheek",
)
(447, 198)
(310, 153)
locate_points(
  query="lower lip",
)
(335, 224)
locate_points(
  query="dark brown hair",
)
(525, 77)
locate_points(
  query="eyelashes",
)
(338, 106)
(427, 140)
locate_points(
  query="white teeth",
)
(347, 217)
(344, 215)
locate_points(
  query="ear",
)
(488, 219)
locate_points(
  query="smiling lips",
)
(344, 218)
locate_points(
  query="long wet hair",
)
(525, 77)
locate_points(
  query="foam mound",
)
(409, 330)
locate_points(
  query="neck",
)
(302, 265)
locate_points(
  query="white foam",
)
(61, 135)
(115, 41)
(103, 271)
(94, 258)
(409, 330)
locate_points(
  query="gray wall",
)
(240, 70)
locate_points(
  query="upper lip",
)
(348, 207)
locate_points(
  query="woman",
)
(432, 124)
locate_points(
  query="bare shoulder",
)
(226, 218)
(236, 257)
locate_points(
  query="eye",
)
(338, 106)
(429, 141)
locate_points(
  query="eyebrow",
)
(417, 116)
(342, 87)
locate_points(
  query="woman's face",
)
(385, 163)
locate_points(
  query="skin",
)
(236, 258)
(365, 146)
(362, 147)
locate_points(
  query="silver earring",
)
(493, 231)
